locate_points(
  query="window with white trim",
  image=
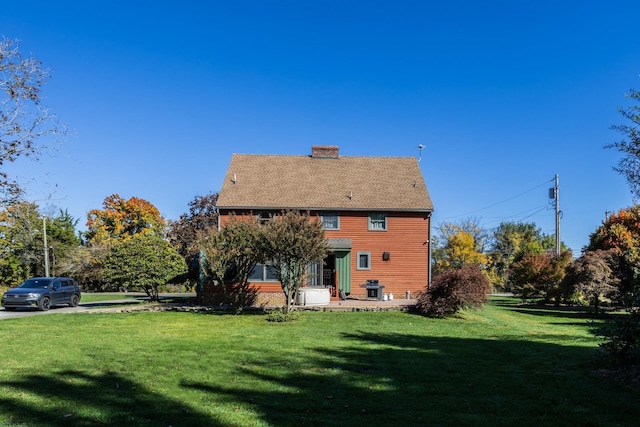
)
(363, 261)
(331, 220)
(377, 221)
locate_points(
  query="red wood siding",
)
(406, 239)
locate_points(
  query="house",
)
(376, 213)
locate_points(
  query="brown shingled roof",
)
(306, 182)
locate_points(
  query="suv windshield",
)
(35, 284)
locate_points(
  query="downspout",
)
(430, 254)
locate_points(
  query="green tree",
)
(22, 251)
(629, 145)
(230, 256)
(22, 242)
(62, 240)
(621, 336)
(291, 242)
(26, 126)
(143, 262)
(510, 241)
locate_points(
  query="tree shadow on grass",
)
(407, 380)
(568, 312)
(86, 400)
(551, 312)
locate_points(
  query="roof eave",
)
(316, 208)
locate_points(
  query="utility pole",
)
(46, 250)
(556, 199)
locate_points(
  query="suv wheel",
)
(45, 304)
(75, 300)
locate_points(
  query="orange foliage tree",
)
(539, 275)
(620, 232)
(121, 219)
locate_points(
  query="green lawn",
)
(503, 365)
(97, 297)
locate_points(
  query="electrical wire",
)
(503, 201)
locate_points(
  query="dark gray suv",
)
(42, 293)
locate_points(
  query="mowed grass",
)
(98, 297)
(503, 365)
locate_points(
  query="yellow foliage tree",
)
(460, 249)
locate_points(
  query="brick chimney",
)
(324, 151)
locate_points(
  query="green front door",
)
(343, 269)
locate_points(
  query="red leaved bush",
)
(454, 290)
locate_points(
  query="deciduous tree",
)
(292, 241)
(460, 249)
(453, 290)
(84, 263)
(620, 232)
(230, 256)
(22, 242)
(143, 262)
(593, 275)
(629, 145)
(25, 124)
(469, 225)
(121, 219)
(509, 242)
(202, 215)
(539, 275)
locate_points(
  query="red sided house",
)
(376, 213)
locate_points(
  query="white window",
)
(377, 221)
(363, 261)
(331, 221)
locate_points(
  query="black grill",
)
(374, 289)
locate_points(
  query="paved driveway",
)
(25, 312)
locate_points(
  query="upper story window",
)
(265, 216)
(377, 221)
(331, 221)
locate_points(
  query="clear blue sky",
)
(502, 94)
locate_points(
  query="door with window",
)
(323, 274)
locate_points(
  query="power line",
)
(505, 200)
(536, 212)
(538, 208)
